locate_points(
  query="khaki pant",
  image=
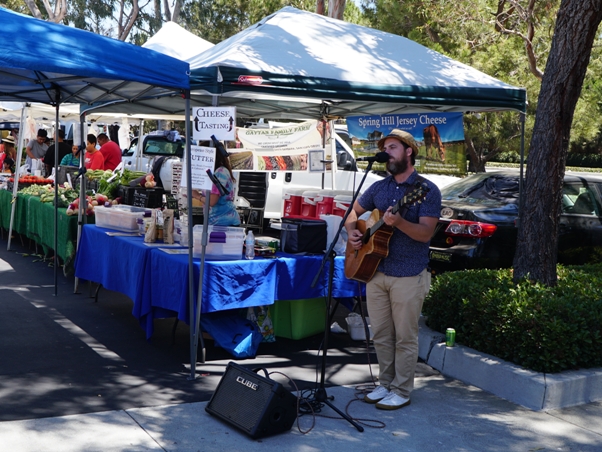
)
(394, 306)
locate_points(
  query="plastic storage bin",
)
(292, 201)
(297, 319)
(121, 217)
(223, 242)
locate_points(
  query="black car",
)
(477, 226)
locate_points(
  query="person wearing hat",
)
(9, 149)
(36, 150)
(402, 280)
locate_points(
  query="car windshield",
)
(483, 187)
(162, 147)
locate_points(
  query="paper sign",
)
(218, 121)
(203, 159)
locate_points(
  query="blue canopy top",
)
(40, 57)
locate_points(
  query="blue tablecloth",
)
(157, 282)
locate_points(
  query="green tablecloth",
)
(35, 220)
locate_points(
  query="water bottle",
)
(250, 245)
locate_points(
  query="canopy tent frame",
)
(299, 65)
(78, 71)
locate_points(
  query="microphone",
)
(381, 157)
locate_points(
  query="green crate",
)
(297, 319)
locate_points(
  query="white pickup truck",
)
(263, 190)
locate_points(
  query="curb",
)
(533, 390)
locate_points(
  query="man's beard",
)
(397, 166)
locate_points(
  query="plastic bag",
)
(260, 315)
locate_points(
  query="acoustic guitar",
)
(361, 264)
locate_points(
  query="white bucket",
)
(356, 327)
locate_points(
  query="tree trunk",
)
(536, 250)
(320, 7)
(336, 8)
(477, 164)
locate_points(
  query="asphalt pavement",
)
(79, 375)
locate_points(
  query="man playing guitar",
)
(401, 282)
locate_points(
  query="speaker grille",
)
(256, 405)
(242, 403)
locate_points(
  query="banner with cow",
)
(439, 135)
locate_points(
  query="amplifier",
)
(254, 404)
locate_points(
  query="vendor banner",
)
(278, 148)
(440, 137)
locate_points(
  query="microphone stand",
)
(320, 394)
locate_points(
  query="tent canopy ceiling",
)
(177, 42)
(41, 57)
(295, 64)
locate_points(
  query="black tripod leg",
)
(321, 395)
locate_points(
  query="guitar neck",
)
(400, 207)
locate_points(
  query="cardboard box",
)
(297, 319)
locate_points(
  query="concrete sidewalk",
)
(444, 415)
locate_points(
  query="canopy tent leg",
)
(82, 194)
(55, 259)
(195, 316)
(17, 173)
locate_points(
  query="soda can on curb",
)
(450, 337)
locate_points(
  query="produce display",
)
(106, 195)
(110, 189)
(31, 180)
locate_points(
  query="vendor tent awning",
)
(40, 57)
(354, 69)
(296, 64)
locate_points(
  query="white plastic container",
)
(356, 327)
(223, 242)
(120, 217)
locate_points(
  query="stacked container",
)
(223, 242)
(292, 202)
(324, 202)
(341, 203)
(308, 204)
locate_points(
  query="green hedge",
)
(545, 329)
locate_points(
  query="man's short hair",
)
(42, 133)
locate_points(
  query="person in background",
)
(8, 165)
(9, 149)
(71, 159)
(110, 151)
(49, 156)
(94, 159)
(36, 150)
(402, 280)
(222, 210)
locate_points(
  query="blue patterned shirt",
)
(407, 257)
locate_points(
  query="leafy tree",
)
(574, 35)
